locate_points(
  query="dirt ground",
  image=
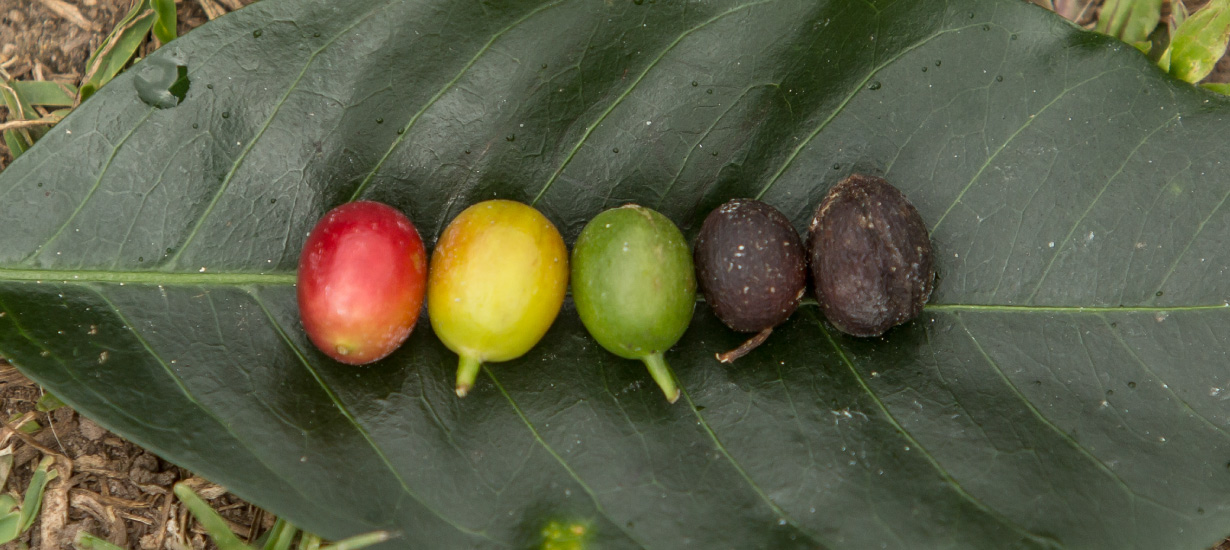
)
(107, 486)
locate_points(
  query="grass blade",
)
(164, 26)
(213, 523)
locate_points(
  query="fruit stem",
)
(751, 344)
(467, 371)
(661, 374)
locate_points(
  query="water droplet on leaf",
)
(162, 81)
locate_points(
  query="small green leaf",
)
(13, 141)
(164, 27)
(48, 402)
(565, 536)
(10, 518)
(45, 93)
(20, 139)
(360, 541)
(309, 542)
(281, 536)
(1219, 87)
(119, 47)
(1200, 41)
(34, 493)
(86, 541)
(27, 427)
(1129, 20)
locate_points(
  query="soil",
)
(106, 485)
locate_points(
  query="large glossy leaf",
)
(1065, 388)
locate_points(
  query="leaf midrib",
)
(160, 278)
(283, 278)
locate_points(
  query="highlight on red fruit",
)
(361, 281)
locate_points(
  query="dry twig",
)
(18, 124)
(212, 9)
(69, 12)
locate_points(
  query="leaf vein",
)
(132, 329)
(939, 468)
(1094, 202)
(842, 106)
(551, 451)
(93, 189)
(717, 443)
(620, 98)
(1028, 122)
(341, 407)
(440, 93)
(1065, 436)
(243, 155)
(1221, 430)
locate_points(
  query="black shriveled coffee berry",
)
(751, 267)
(871, 257)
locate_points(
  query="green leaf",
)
(28, 427)
(118, 49)
(1200, 41)
(1129, 20)
(86, 541)
(48, 402)
(209, 519)
(1219, 87)
(43, 474)
(10, 518)
(164, 25)
(45, 93)
(281, 536)
(1066, 387)
(356, 542)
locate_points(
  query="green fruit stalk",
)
(634, 286)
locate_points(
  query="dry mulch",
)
(108, 486)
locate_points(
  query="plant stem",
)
(467, 371)
(751, 344)
(661, 374)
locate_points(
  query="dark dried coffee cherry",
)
(871, 257)
(751, 267)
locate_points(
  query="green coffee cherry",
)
(634, 286)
